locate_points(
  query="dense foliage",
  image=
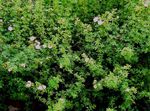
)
(75, 55)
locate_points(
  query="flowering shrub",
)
(66, 55)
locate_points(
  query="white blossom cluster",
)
(38, 45)
(23, 65)
(146, 3)
(29, 84)
(1, 20)
(10, 69)
(10, 28)
(40, 87)
(98, 20)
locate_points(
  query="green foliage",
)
(83, 55)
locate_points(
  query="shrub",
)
(62, 55)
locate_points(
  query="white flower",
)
(37, 47)
(23, 65)
(95, 86)
(10, 69)
(41, 87)
(127, 90)
(32, 38)
(10, 28)
(87, 59)
(37, 42)
(29, 84)
(22, 17)
(1, 20)
(95, 81)
(146, 3)
(95, 19)
(100, 22)
(44, 46)
(49, 46)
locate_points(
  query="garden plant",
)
(75, 55)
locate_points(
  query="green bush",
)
(75, 55)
